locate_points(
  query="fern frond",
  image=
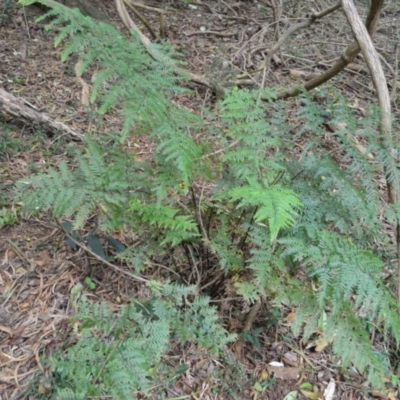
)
(276, 205)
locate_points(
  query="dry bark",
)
(378, 78)
(23, 110)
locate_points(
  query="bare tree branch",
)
(22, 109)
(379, 80)
(296, 28)
(347, 57)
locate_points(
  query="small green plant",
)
(119, 354)
(8, 217)
(90, 284)
(8, 143)
(296, 226)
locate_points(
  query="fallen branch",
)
(153, 9)
(348, 56)
(294, 29)
(142, 18)
(22, 109)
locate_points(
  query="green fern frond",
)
(275, 204)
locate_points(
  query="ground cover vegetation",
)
(227, 192)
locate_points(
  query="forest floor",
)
(38, 269)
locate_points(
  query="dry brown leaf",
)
(16, 333)
(391, 395)
(289, 373)
(312, 395)
(85, 94)
(321, 343)
(290, 316)
(6, 329)
(294, 73)
(44, 258)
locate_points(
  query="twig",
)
(347, 57)
(142, 18)
(301, 354)
(395, 73)
(195, 266)
(297, 27)
(252, 315)
(154, 52)
(113, 266)
(154, 9)
(211, 33)
(26, 23)
(378, 77)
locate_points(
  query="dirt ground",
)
(38, 269)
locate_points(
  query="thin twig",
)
(295, 28)
(153, 9)
(395, 73)
(226, 34)
(142, 18)
(252, 315)
(113, 266)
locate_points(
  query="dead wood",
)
(23, 110)
(143, 19)
(348, 56)
(378, 78)
(296, 28)
(153, 9)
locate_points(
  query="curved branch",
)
(379, 80)
(347, 57)
(154, 53)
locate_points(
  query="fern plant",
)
(120, 354)
(226, 194)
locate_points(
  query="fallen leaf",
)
(264, 375)
(6, 329)
(391, 395)
(42, 389)
(290, 358)
(321, 343)
(312, 395)
(16, 333)
(44, 258)
(290, 373)
(330, 390)
(276, 364)
(290, 317)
